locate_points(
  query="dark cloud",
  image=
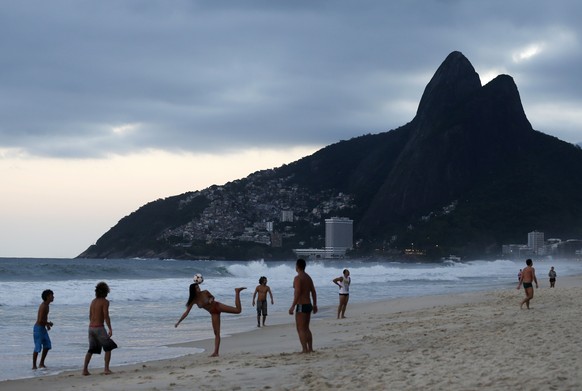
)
(90, 78)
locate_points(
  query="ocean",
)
(148, 296)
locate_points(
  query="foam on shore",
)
(479, 340)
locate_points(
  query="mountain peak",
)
(453, 82)
(465, 175)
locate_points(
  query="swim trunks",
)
(99, 339)
(262, 307)
(41, 338)
(527, 285)
(304, 308)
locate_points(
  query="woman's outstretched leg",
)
(237, 309)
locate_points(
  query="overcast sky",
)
(107, 105)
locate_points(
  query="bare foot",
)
(86, 373)
(214, 355)
(34, 368)
(42, 366)
(107, 372)
(237, 290)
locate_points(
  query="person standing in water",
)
(344, 292)
(42, 341)
(205, 300)
(528, 277)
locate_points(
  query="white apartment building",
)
(339, 234)
(339, 237)
(535, 241)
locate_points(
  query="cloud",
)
(106, 105)
(95, 79)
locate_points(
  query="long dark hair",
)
(192, 294)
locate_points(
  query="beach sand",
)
(472, 341)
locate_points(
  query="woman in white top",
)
(344, 292)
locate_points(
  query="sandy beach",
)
(473, 341)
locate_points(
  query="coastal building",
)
(339, 237)
(339, 233)
(516, 251)
(535, 246)
(535, 241)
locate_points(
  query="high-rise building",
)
(339, 234)
(535, 241)
(339, 237)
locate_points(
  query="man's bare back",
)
(528, 277)
(99, 312)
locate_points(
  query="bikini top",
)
(208, 298)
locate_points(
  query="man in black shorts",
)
(528, 277)
(302, 305)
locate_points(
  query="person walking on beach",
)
(552, 274)
(344, 292)
(303, 306)
(99, 338)
(42, 341)
(528, 277)
(205, 300)
(261, 291)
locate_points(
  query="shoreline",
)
(476, 340)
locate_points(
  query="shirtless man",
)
(261, 294)
(528, 277)
(42, 341)
(99, 338)
(302, 305)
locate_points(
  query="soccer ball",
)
(198, 279)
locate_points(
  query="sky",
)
(108, 105)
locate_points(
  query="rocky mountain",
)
(466, 175)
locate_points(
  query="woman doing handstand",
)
(205, 300)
